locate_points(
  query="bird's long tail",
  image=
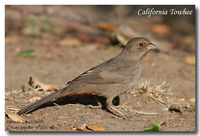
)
(40, 102)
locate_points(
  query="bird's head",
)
(139, 47)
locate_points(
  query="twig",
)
(19, 92)
(171, 102)
(14, 109)
(157, 100)
(56, 104)
(143, 113)
(140, 105)
(30, 87)
(124, 104)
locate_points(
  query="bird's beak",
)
(152, 46)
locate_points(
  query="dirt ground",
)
(60, 64)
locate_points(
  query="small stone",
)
(192, 100)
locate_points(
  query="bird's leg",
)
(111, 108)
(99, 106)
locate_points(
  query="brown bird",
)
(108, 79)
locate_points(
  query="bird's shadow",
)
(84, 99)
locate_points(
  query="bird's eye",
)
(140, 44)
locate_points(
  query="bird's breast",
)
(134, 76)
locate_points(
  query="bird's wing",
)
(106, 73)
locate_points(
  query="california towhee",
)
(108, 79)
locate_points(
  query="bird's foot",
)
(99, 105)
(118, 114)
(94, 107)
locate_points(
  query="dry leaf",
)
(190, 60)
(69, 42)
(95, 128)
(33, 99)
(46, 87)
(93, 38)
(106, 26)
(85, 37)
(82, 128)
(15, 117)
(103, 40)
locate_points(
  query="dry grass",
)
(159, 93)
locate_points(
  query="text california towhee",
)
(108, 79)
